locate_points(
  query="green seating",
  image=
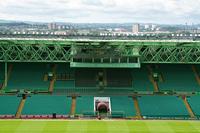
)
(118, 78)
(122, 106)
(162, 106)
(2, 73)
(84, 104)
(47, 105)
(64, 68)
(178, 78)
(195, 105)
(9, 105)
(64, 84)
(119, 114)
(141, 80)
(94, 91)
(28, 76)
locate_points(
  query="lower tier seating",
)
(150, 106)
(47, 105)
(122, 104)
(9, 105)
(85, 105)
(162, 106)
(195, 105)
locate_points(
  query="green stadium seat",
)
(162, 106)
(28, 76)
(178, 78)
(195, 105)
(2, 73)
(85, 105)
(64, 84)
(141, 80)
(9, 105)
(122, 106)
(47, 105)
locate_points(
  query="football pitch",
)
(95, 126)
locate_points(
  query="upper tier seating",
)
(195, 105)
(47, 105)
(9, 105)
(162, 106)
(2, 73)
(118, 78)
(69, 82)
(29, 76)
(178, 78)
(141, 80)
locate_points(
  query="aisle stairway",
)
(196, 74)
(20, 107)
(5, 83)
(187, 105)
(73, 106)
(138, 112)
(53, 80)
(155, 85)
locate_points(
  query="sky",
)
(102, 11)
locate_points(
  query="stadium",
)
(80, 85)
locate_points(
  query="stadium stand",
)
(85, 105)
(2, 71)
(162, 106)
(9, 105)
(194, 103)
(28, 76)
(122, 105)
(47, 105)
(83, 85)
(178, 78)
(118, 78)
(65, 77)
(86, 77)
(141, 82)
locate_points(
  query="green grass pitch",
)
(95, 126)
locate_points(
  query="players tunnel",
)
(102, 107)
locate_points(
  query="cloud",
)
(159, 11)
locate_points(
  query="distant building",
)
(120, 30)
(52, 26)
(146, 26)
(153, 27)
(59, 27)
(136, 28)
